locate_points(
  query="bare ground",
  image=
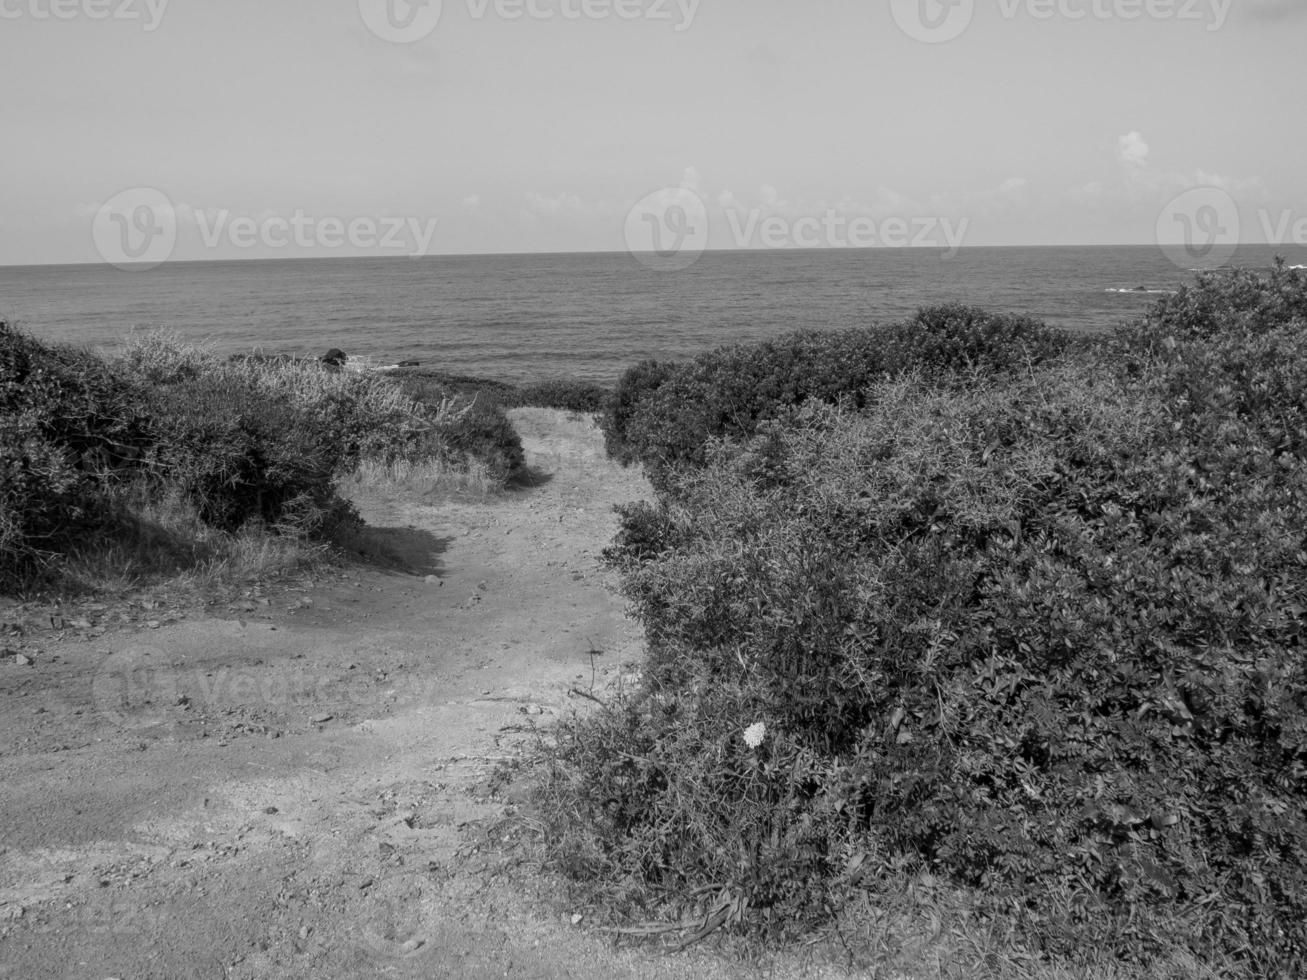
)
(296, 786)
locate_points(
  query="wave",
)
(1143, 291)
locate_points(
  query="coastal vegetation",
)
(165, 460)
(967, 639)
(966, 610)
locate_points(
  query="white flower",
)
(754, 734)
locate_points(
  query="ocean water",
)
(588, 316)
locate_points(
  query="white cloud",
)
(1142, 177)
(1133, 149)
(554, 204)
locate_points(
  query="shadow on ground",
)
(529, 478)
(406, 550)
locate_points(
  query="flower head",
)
(754, 734)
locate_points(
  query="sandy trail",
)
(292, 788)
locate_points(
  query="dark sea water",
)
(529, 317)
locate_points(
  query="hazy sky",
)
(267, 126)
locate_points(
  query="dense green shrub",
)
(635, 385)
(1234, 305)
(1229, 356)
(1042, 634)
(665, 417)
(432, 387)
(485, 435)
(240, 453)
(364, 416)
(69, 430)
(475, 424)
(571, 396)
(243, 439)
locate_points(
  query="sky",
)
(214, 129)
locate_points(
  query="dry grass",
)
(920, 929)
(910, 927)
(433, 478)
(392, 423)
(162, 543)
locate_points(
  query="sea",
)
(585, 316)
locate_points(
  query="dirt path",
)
(291, 788)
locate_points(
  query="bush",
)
(474, 421)
(265, 438)
(486, 435)
(433, 387)
(240, 440)
(571, 396)
(636, 384)
(664, 417)
(70, 430)
(240, 453)
(363, 416)
(1041, 634)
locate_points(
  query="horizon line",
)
(603, 252)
